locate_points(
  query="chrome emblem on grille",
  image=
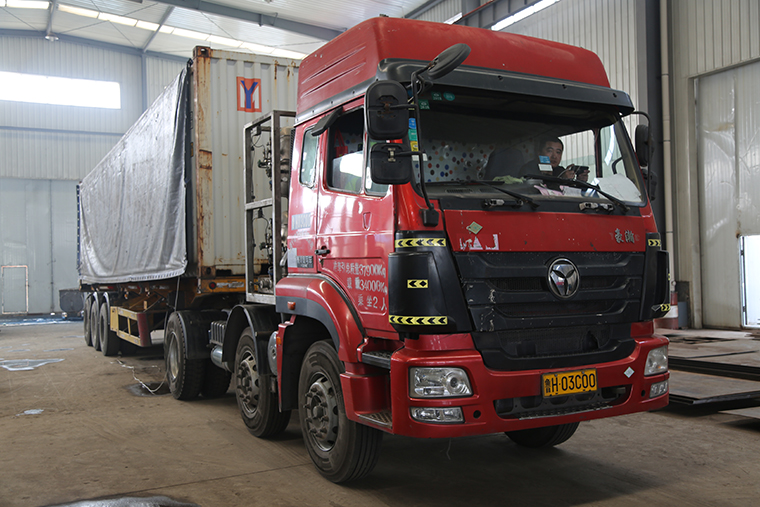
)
(563, 278)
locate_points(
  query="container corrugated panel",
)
(220, 79)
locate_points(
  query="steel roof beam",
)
(53, 8)
(491, 13)
(261, 19)
(161, 23)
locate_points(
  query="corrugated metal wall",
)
(65, 142)
(39, 231)
(46, 149)
(707, 37)
(606, 27)
(442, 12)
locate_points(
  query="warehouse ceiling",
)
(286, 28)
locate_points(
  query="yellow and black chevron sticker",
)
(418, 242)
(654, 242)
(665, 307)
(419, 321)
(416, 284)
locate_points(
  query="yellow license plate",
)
(568, 382)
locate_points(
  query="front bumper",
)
(511, 400)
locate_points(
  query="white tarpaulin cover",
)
(132, 205)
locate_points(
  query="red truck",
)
(418, 264)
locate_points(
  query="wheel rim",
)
(247, 383)
(321, 411)
(173, 360)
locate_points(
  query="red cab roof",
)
(352, 57)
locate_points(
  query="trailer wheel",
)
(95, 324)
(259, 406)
(86, 321)
(109, 342)
(185, 375)
(216, 381)
(543, 437)
(342, 450)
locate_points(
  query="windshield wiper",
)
(520, 199)
(579, 184)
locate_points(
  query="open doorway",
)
(750, 249)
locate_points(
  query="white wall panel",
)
(66, 142)
(707, 37)
(39, 232)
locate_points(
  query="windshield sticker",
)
(424, 104)
(448, 96)
(437, 96)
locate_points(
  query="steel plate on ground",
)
(753, 412)
(698, 389)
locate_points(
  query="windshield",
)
(520, 144)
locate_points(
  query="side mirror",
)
(390, 164)
(386, 110)
(644, 144)
(448, 60)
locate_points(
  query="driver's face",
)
(554, 152)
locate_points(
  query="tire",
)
(109, 342)
(185, 376)
(258, 404)
(543, 437)
(216, 381)
(94, 324)
(342, 450)
(86, 321)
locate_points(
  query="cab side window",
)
(308, 159)
(345, 166)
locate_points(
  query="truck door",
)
(355, 222)
(302, 205)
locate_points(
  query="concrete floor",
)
(72, 430)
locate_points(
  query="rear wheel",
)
(543, 437)
(95, 324)
(257, 401)
(185, 376)
(342, 450)
(109, 342)
(86, 321)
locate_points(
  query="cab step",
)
(379, 358)
(383, 418)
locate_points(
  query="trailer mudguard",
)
(262, 319)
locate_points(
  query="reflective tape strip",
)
(418, 242)
(419, 321)
(416, 284)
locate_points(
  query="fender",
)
(320, 298)
(262, 319)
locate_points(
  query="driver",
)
(552, 148)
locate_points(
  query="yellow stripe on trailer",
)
(420, 242)
(419, 321)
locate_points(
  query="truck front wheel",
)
(185, 375)
(258, 405)
(342, 450)
(543, 437)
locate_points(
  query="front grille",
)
(519, 323)
(510, 290)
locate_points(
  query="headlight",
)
(438, 383)
(657, 361)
